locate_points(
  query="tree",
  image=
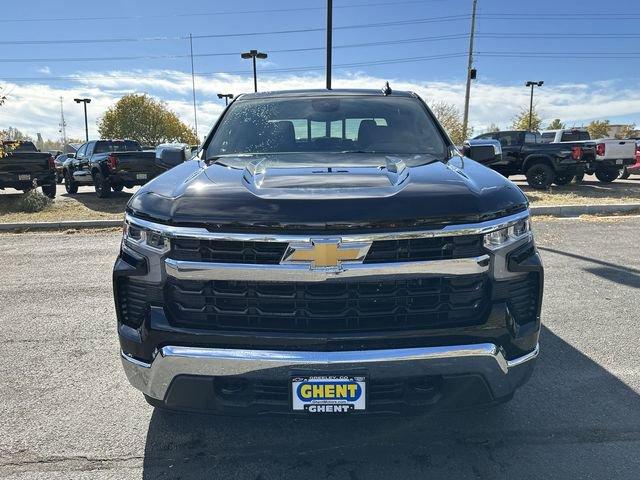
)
(521, 121)
(599, 128)
(142, 118)
(12, 133)
(449, 116)
(556, 124)
(3, 98)
(492, 128)
(626, 131)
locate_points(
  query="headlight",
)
(505, 236)
(135, 235)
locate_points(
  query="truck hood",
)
(337, 193)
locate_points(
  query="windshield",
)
(385, 125)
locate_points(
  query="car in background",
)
(523, 153)
(24, 167)
(634, 169)
(612, 155)
(110, 165)
(59, 164)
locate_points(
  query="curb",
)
(577, 210)
(9, 227)
(551, 210)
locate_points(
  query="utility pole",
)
(86, 124)
(63, 125)
(193, 86)
(465, 120)
(532, 84)
(329, 40)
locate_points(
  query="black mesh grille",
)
(328, 307)
(132, 301)
(224, 251)
(423, 249)
(382, 251)
(523, 298)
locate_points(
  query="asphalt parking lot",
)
(67, 410)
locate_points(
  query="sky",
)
(587, 55)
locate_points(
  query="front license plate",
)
(141, 176)
(619, 162)
(329, 394)
(24, 177)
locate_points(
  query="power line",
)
(209, 14)
(417, 21)
(220, 54)
(240, 72)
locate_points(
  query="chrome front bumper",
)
(485, 359)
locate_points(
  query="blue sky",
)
(570, 45)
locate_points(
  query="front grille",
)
(381, 251)
(132, 301)
(523, 298)
(424, 249)
(227, 251)
(328, 307)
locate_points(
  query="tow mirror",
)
(485, 151)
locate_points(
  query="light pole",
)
(253, 54)
(86, 124)
(532, 85)
(471, 72)
(329, 40)
(226, 96)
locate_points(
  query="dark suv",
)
(328, 252)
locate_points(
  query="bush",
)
(33, 201)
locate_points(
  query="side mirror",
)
(169, 157)
(485, 151)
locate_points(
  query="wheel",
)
(49, 190)
(117, 188)
(540, 176)
(607, 175)
(579, 177)
(563, 179)
(103, 189)
(625, 174)
(69, 184)
(59, 178)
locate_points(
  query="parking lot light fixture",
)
(532, 85)
(226, 96)
(253, 54)
(86, 125)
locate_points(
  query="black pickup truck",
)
(24, 168)
(542, 163)
(328, 251)
(109, 165)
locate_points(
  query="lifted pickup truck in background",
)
(523, 153)
(612, 155)
(359, 266)
(110, 165)
(24, 168)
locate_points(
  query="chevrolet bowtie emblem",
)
(325, 253)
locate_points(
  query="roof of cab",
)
(324, 93)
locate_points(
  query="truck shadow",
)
(610, 271)
(116, 203)
(570, 404)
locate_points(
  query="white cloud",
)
(36, 107)
(46, 70)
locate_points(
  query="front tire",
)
(117, 188)
(102, 186)
(540, 176)
(607, 175)
(49, 190)
(69, 184)
(625, 174)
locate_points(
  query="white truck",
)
(612, 155)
